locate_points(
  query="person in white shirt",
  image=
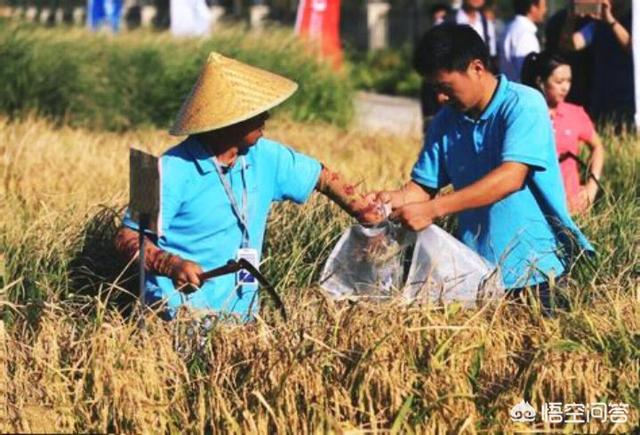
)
(471, 14)
(520, 38)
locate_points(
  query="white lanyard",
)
(242, 215)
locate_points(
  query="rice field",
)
(74, 359)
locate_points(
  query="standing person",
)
(520, 39)
(609, 34)
(580, 61)
(218, 186)
(551, 75)
(489, 11)
(472, 14)
(190, 18)
(493, 142)
(438, 13)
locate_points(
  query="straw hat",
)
(228, 92)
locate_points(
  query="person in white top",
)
(471, 14)
(520, 38)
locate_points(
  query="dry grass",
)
(69, 361)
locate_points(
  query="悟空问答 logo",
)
(523, 412)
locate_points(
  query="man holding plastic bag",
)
(494, 143)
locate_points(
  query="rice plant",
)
(73, 357)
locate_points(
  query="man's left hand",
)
(416, 216)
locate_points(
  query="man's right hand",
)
(394, 198)
(185, 275)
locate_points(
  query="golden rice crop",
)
(70, 360)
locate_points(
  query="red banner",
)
(319, 21)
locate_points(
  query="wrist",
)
(439, 207)
(612, 23)
(166, 263)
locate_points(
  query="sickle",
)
(233, 266)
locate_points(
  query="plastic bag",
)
(370, 262)
(444, 270)
(367, 262)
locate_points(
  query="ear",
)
(477, 67)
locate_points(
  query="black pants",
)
(544, 293)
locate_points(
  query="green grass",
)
(140, 78)
(386, 71)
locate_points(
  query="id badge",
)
(243, 277)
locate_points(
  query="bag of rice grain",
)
(374, 263)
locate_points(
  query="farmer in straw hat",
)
(218, 186)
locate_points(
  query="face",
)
(539, 11)
(251, 130)
(557, 86)
(463, 90)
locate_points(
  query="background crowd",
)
(597, 47)
(579, 58)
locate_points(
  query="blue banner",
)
(104, 12)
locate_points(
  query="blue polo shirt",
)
(529, 234)
(199, 224)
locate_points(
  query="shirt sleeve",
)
(429, 170)
(296, 175)
(587, 128)
(587, 32)
(170, 195)
(528, 136)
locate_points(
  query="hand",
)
(592, 191)
(582, 201)
(373, 211)
(416, 216)
(185, 275)
(395, 198)
(607, 13)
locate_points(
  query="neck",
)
(224, 150)
(552, 107)
(490, 83)
(471, 12)
(227, 157)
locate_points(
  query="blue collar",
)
(203, 159)
(496, 99)
(200, 156)
(494, 103)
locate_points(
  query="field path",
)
(388, 114)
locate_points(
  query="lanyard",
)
(240, 214)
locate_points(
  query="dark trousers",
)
(544, 292)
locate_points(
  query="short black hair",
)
(539, 66)
(521, 7)
(449, 47)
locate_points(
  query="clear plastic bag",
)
(444, 270)
(370, 262)
(367, 262)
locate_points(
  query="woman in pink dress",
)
(552, 76)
